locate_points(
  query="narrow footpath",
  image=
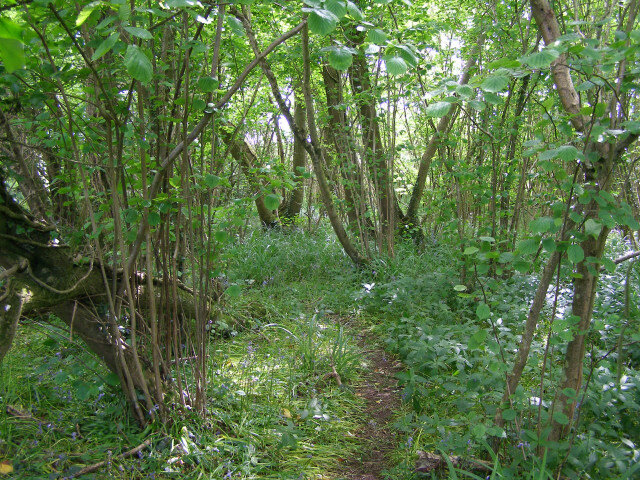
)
(379, 389)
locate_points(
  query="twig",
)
(96, 466)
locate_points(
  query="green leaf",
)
(131, 215)
(471, 250)
(153, 219)
(575, 253)
(106, 45)
(139, 32)
(477, 105)
(548, 154)
(541, 225)
(211, 181)
(340, 58)
(221, 236)
(138, 65)
(208, 84)
(465, 91)
(12, 54)
(354, 11)
(272, 201)
(438, 109)
(477, 339)
(460, 288)
(528, 246)
(483, 312)
(407, 53)
(593, 228)
(567, 153)
(549, 245)
(395, 65)
(377, 36)
(478, 431)
(86, 13)
(609, 264)
(235, 26)
(541, 59)
(509, 415)
(560, 418)
(10, 29)
(233, 291)
(337, 7)
(495, 83)
(322, 22)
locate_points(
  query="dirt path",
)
(378, 388)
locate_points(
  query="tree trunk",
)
(246, 157)
(293, 205)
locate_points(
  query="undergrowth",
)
(275, 408)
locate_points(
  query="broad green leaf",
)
(460, 288)
(487, 239)
(354, 11)
(471, 250)
(560, 418)
(272, 201)
(11, 47)
(322, 22)
(138, 65)
(377, 36)
(509, 414)
(592, 227)
(465, 91)
(478, 431)
(609, 264)
(340, 58)
(549, 245)
(221, 236)
(575, 253)
(477, 105)
(395, 65)
(438, 109)
(12, 54)
(548, 154)
(211, 181)
(139, 32)
(477, 339)
(337, 7)
(86, 13)
(208, 84)
(106, 45)
(495, 83)
(10, 29)
(153, 219)
(541, 225)
(236, 26)
(483, 312)
(528, 246)
(542, 59)
(407, 54)
(567, 153)
(233, 291)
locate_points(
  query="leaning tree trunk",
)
(246, 157)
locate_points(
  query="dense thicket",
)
(137, 138)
